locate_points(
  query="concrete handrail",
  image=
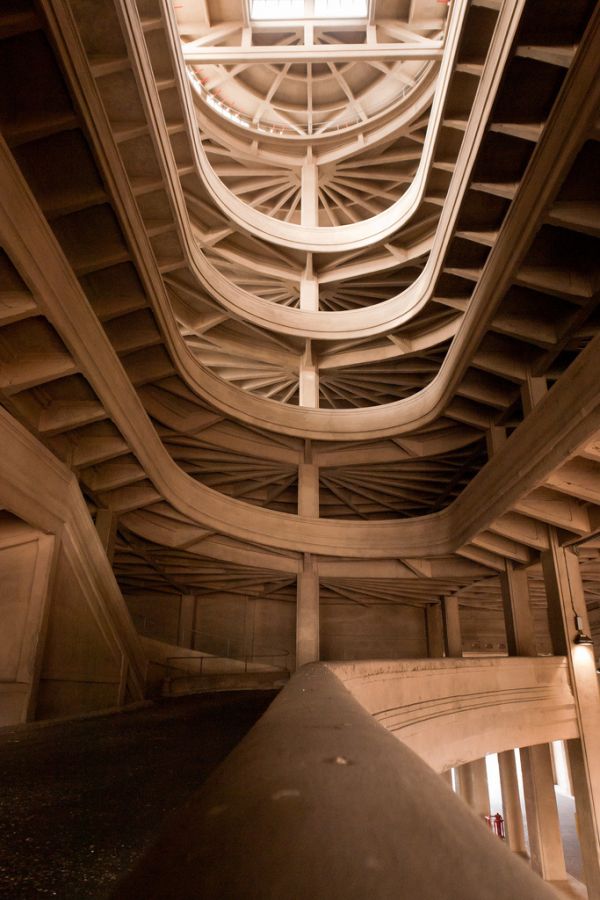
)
(319, 801)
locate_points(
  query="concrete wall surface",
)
(320, 801)
(67, 642)
(479, 705)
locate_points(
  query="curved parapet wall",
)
(318, 801)
(480, 706)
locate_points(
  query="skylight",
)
(278, 10)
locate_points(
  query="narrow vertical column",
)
(452, 634)
(307, 613)
(520, 634)
(187, 616)
(106, 526)
(309, 287)
(511, 802)
(309, 191)
(308, 485)
(308, 377)
(545, 842)
(566, 600)
(435, 630)
(473, 786)
(543, 826)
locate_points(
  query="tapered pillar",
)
(518, 619)
(566, 599)
(543, 826)
(307, 613)
(435, 630)
(187, 617)
(106, 526)
(545, 842)
(511, 802)
(452, 633)
(308, 379)
(309, 192)
(308, 485)
(473, 786)
(309, 287)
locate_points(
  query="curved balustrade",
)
(478, 706)
(341, 238)
(384, 316)
(489, 495)
(414, 412)
(327, 130)
(319, 801)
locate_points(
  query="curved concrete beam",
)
(480, 706)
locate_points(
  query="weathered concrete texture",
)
(80, 801)
(319, 801)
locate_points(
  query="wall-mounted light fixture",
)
(581, 637)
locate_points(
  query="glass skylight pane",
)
(274, 10)
(277, 9)
(340, 9)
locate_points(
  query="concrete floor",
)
(80, 801)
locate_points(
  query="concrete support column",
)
(543, 826)
(106, 526)
(473, 786)
(308, 379)
(545, 842)
(566, 599)
(452, 634)
(435, 630)
(511, 802)
(520, 634)
(309, 192)
(307, 613)
(187, 618)
(309, 288)
(308, 485)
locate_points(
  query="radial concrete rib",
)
(392, 313)
(559, 424)
(342, 238)
(555, 151)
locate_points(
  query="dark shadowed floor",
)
(80, 801)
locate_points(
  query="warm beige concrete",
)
(307, 613)
(267, 320)
(71, 644)
(473, 787)
(435, 630)
(520, 632)
(483, 705)
(511, 802)
(362, 632)
(27, 564)
(452, 633)
(106, 526)
(543, 826)
(565, 600)
(338, 808)
(187, 620)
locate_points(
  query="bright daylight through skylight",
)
(269, 10)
